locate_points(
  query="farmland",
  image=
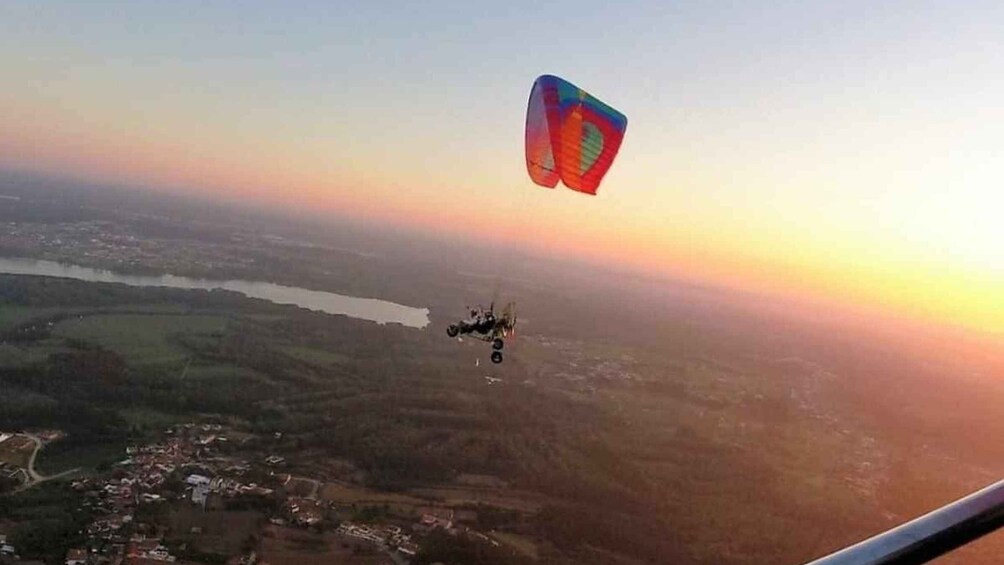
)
(141, 339)
(216, 533)
(16, 450)
(291, 546)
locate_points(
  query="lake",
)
(379, 311)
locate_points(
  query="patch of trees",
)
(42, 292)
(49, 521)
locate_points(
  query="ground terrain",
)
(634, 422)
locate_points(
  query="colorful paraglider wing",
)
(570, 135)
(540, 161)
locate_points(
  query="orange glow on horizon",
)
(853, 271)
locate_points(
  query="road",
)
(34, 477)
(316, 487)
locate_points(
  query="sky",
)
(851, 152)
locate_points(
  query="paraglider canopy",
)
(571, 136)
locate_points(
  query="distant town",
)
(115, 246)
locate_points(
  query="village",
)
(193, 497)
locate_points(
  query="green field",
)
(217, 373)
(317, 357)
(13, 356)
(12, 316)
(63, 455)
(149, 419)
(142, 340)
(222, 534)
(21, 355)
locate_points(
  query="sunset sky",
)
(840, 149)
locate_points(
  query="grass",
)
(500, 498)
(316, 357)
(142, 340)
(222, 533)
(12, 316)
(291, 546)
(16, 457)
(220, 372)
(348, 494)
(522, 544)
(15, 356)
(12, 356)
(147, 419)
(55, 458)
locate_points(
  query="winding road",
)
(34, 477)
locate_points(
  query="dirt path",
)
(34, 477)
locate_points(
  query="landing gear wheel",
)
(496, 357)
(453, 330)
(498, 344)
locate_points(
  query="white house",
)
(198, 480)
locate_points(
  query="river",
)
(372, 309)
